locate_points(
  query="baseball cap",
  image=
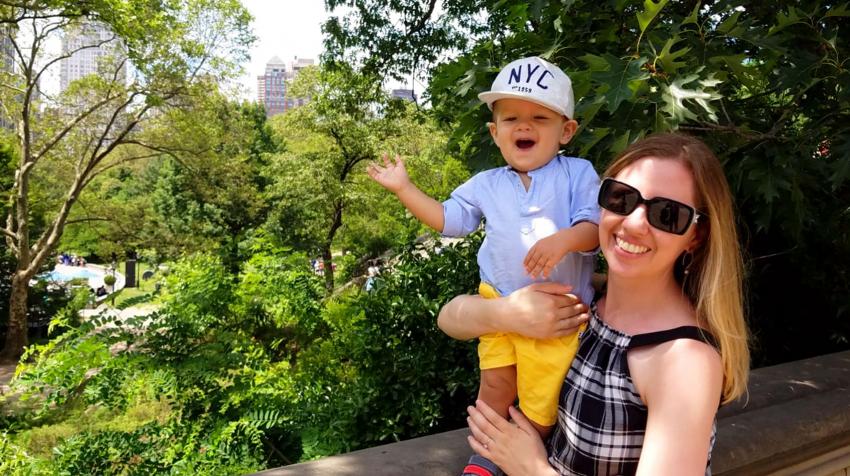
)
(533, 79)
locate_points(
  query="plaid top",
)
(601, 418)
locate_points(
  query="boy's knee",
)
(499, 378)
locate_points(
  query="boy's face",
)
(528, 134)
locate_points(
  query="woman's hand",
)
(545, 311)
(539, 311)
(514, 446)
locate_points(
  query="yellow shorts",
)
(541, 365)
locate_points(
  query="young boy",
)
(540, 221)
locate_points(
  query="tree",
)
(95, 125)
(764, 84)
(206, 194)
(321, 179)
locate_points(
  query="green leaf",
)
(558, 26)
(693, 18)
(839, 11)
(651, 11)
(466, 82)
(621, 79)
(596, 135)
(676, 94)
(728, 24)
(594, 62)
(620, 142)
(784, 20)
(668, 58)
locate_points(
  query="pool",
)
(67, 273)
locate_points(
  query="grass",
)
(145, 286)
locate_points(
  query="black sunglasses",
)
(662, 213)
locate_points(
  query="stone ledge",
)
(795, 421)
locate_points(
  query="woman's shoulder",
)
(683, 367)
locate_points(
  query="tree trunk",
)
(16, 332)
(327, 260)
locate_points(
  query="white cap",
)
(536, 80)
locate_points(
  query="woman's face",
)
(632, 247)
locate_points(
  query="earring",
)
(687, 261)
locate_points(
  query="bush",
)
(238, 372)
(386, 372)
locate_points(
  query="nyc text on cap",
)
(536, 80)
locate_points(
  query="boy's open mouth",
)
(525, 143)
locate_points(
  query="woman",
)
(664, 347)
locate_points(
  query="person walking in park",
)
(664, 346)
(541, 219)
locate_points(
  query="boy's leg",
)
(498, 388)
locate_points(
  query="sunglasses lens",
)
(669, 216)
(662, 213)
(618, 198)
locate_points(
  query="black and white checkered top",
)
(601, 418)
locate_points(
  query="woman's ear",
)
(700, 235)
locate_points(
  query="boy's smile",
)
(528, 135)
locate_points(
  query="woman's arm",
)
(540, 311)
(680, 382)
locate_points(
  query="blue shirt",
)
(562, 193)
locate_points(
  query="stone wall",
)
(796, 420)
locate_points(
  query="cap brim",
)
(489, 97)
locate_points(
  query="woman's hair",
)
(713, 282)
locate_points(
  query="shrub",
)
(387, 372)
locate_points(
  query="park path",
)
(7, 371)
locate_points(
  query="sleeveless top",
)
(601, 417)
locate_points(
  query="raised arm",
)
(540, 310)
(393, 176)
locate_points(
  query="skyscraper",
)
(92, 44)
(406, 94)
(271, 87)
(272, 90)
(7, 66)
(295, 66)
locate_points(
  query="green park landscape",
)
(246, 357)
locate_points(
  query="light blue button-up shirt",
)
(562, 193)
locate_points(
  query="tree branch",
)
(65, 130)
(8, 234)
(84, 220)
(420, 24)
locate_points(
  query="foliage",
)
(44, 301)
(320, 182)
(205, 195)
(386, 372)
(94, 124)
(239, 372)
(764, 84)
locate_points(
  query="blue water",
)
(69, 274)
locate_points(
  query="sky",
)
(284, 28)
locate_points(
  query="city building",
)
(272, 90)
(92, 44)
(297, 65)
(7, 66)
(271, 87)
(406, 94)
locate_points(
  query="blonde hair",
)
(714, 281)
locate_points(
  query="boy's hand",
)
(392, 176)
(544, 255)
